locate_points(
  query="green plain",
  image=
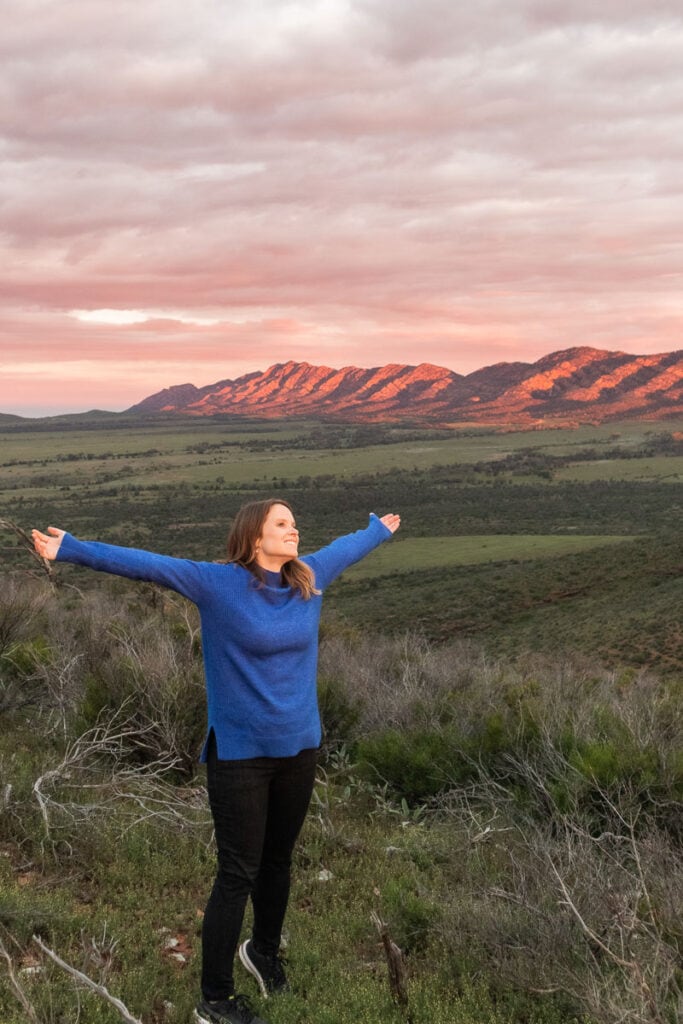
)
(39, 461)
(664, 468)
(411, 553)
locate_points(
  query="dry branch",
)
(397, 972)
(15, 985)
(88, 983)
(95, 764)
(26, 541)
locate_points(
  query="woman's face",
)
(279, 540)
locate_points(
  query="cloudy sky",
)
(193, 191)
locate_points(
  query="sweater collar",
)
(273, 579)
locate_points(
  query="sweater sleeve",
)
(179, 574)
(329, 562)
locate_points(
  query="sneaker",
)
(268, 970)
(235, 1010)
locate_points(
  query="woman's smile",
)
(279, 540)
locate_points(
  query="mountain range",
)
(575, 385)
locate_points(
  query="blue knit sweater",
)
(260, 642)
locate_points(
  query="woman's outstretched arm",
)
(330, 561)
(186, 577)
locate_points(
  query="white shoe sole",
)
(252, 968)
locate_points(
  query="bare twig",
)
(585, 928)
(629, 922)
(88, 983)
(94, 763)
(397, 972)
(16, 986)
(26, 541)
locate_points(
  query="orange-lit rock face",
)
(572, 386)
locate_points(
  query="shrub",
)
(417, 764)
(339, 713)
(413, 916)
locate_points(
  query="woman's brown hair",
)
(245, 532)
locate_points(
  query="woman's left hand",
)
(47, 546)
(391, 521)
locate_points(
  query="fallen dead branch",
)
(95, 770)
(88, 983)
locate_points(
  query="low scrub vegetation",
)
(514, 825)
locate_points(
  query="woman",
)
(260, 613)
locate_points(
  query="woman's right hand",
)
(47, 547)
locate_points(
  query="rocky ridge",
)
(574, 385)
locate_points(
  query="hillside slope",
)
(575, 385)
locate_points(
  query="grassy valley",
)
(563, 537)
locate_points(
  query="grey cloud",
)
(388, 156)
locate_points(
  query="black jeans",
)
(258, 807)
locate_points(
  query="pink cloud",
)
(392, 181)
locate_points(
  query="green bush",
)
(420, 763)
(417, 764)
(413, 917)
(21, 659)
(339, 713)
